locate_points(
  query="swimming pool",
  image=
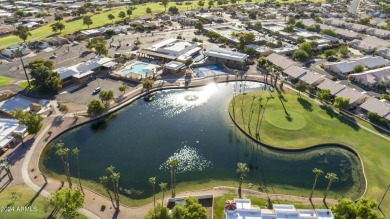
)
(139, 68)
(209, 70)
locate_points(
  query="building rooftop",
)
(224, 54)
(351, 94)
(331, 85)
(295, 71)
(173, 65)
(281, 61)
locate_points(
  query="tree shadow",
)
(5, 185)
(28, 204)
(305, 104)
(116, 214)
(328, 111)
(343, 118)
(20, 151)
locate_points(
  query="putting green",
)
(279, 119)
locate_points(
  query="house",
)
(174, 67)
(376, 106)
(341, 68)
(335, 22)
(356, 27)
(384, 52)
(16, 51)
(9, 131)
(312, 78)
(90, 33)
(373, 62)
(373, 77)
(331, 85)
(171, 49)
(369, 44)
(294, 72)
(82, 72)
(355, 97)
(280, 61)
(262, 50)
(227, 58)
(243, 209)
(384, 34)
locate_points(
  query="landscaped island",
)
(195, 123)
(290, 121)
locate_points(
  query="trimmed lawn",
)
(219, 204)
(294, 122)
(24, 84)
(4, 80)
(17, 198)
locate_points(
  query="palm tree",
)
(173, 163)
(104, 180)
(152, 181)
(258, 115)
(242, 169)
(115, 185)
(64, 154)
(332, 177)
(317, 172)
(251, 111)
(163, 187)
(277, 73)
(75, 152)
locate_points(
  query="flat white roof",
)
(7, 127)
(174, 65)
(13, 103)
(224, 54)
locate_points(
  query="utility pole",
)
(19, 52)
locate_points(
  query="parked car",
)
(53, 57)
(96, 90)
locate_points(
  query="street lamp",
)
(19, 53)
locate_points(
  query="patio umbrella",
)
(230, 205)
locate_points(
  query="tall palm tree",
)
(64, 154)
(163, 187)
(115, 185)
(317, 172)
(277, 74)
(172, 164)
(75, 152)
(242, 169)
(104, 180)
(152, 181)
(332, 177)
(251, 111)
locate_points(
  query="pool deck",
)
(26, 159)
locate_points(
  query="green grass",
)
(24, 84)
(4, 80)
(17, 197)
(322, 126)
(219, 204)
(101, 20)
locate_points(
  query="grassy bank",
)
(294, 122)
(22, 203)
(4, 80)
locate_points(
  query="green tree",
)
(179, 212)
(95, 107)
(172, 164)
(22, 32)
(64, 154)
(68, 201)
(152, 181)
(44, 78)
(188, 62)
(173, 10)
(328, 32)
(114, 176)
(122, 15)
(299, 24)
(358, 69)
(87, 20)
(201, 3)
(164, 3)
(137, 42)
(324, 95)
(300, 55)
(341, 103)
(199, 25)
(163, 187)
(330, 52)
(211, 3)
(346, 208)
(129, 12)
(307, 47)
(106, 96)
(301, 87)
(161, 212)
(123, 88)
(58, 17)
(343, 50)
(40, 62)
(32, 121)
(148, 10)
(317, 172)
(332, 177)
(57, 26)
(75, 152)
(257, 26)
(289, 28)
(291, 20)
(242, 169)
(300, 39)
(246, 38)
(147, 84)
(111, 17)
(194, 209)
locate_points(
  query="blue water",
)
(137, 68)
(209, 70)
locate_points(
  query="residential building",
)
(243, 209)
(227, 58)
(372, 62)
(174, 67)
(369, 44)
(341, 68)
(16, 51)
(82, 72)
(373, 77)
(13, 103)
(9, 130)
(172, 49)
(384, 34)
(356, 27)
(376, 106)
(334, 87)
(355, 97)
(280, 61)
